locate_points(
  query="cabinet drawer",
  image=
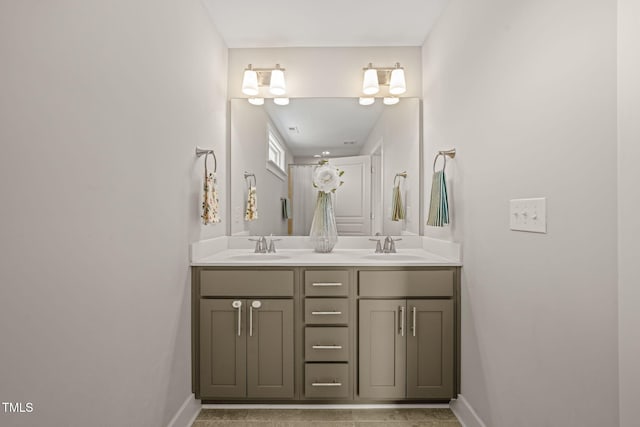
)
(411, 283)
(326, 344)
(326, 283)
(326, 380)
(245, 283)
(326, 311)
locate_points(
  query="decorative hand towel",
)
(252, 205)
(397, 208)
(439, 204)
(286, 208)
(210, 202)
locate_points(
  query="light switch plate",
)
(528, 215)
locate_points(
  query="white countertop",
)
(352, 251)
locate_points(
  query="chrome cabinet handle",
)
(326, 384)
(327, 284)
(237, 304)
(413, 327)
(254, 304)
(326, 347)
(401, 321)
(315, 313)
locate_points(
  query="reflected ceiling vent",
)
(349, 143)
(293, 129)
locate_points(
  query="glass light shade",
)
(277, 86)
(256, 101)
(281, 101)
(397, 84)
(370, 82)
(366, 100)
(392, 100)
(250, 83)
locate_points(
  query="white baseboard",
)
(465, 413)
(187, 413)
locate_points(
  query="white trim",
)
(465, 413)
(321, 406)
(187, 413)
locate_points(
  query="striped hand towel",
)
(439, 204)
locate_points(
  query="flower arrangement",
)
(326, 178)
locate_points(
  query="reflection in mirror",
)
(281, 145)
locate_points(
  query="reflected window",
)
(275, 151)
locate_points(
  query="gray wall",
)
(628, 206)
(526, 91)
(101, 106)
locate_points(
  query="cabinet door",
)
(222, 348)
(430, 349)
(382, 349)
(270, 349)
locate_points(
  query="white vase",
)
(324, 233)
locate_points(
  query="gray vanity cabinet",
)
(430, 349)
(382, 349)
(223, 350)
(406, 345)
(244, 336)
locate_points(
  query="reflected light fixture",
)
(281, 101)
(390, 100)
(256, 101)
(366, 100)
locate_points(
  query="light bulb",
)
(392, 100)
(250, 82)
(370, 82)
(277, 86)
(397, 84)
(256, 101)
(281, 101)
(366, 100)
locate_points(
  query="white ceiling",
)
(331, 23)
(324, 124)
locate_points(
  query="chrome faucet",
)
(261, 245)
(378, 246)
(272, 245)
(389, 245)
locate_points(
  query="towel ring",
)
(204, 152)
(399, 175)
(248, 176)
(446, 153)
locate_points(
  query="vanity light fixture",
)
(374, 77)
(281, 101)
(256, 101)
(254, 78)
(366, 100)
(390, 100)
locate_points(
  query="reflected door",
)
(353, 198)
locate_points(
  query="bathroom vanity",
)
(348, 327)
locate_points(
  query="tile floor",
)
(429, 417)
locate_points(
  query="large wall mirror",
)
(276, 148)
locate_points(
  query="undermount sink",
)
(395, 257)
(257, 257)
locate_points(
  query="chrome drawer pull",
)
(327, 347)
(316, 313)
(326, 384)
(327, 284)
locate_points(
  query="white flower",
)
(326, 178)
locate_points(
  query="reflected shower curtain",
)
(303, 198)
